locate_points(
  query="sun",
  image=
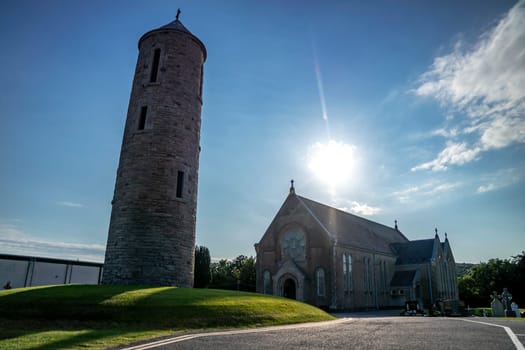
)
(332, 162)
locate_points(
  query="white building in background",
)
(27, 271)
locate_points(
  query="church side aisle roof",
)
(352, 230)
(414, 252)
(403, 278)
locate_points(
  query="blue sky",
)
(407, 110)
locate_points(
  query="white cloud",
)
(486, 188)
(504, 131)
(13, 240)
(448, 133)
(404, 196)
(453, 154)
(364, 209)
(443, 188)
(487, 84)
(500, 179)
(70, 204)
(424, 191)
(11, 232)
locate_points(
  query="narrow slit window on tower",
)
(200, 87)
(180, 181)
(142, 117)
(155, 66)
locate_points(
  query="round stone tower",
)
(152, 229)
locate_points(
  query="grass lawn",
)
(98, 317)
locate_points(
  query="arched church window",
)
(350, 273)
(442, 279)
(366, 274)
(267, 282)
(347, 272)
(448, 289)
(381, 280)
(320, 282)
(293, 244)
(385, 277)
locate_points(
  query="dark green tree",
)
(202, 272)
(223, 275)
(247, 275)
(236, 274)
(468, 291)
(519, 292)
(477, 285)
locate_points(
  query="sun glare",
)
(332, 162)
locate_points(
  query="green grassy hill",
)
(96, 317)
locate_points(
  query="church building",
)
(336, 260)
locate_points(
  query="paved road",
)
(366, 333)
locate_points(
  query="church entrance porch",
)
(289, 281)
(289, 290)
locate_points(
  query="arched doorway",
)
(289, 290)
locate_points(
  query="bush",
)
(478, 311)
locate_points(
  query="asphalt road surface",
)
(363, 333)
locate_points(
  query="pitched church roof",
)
(404, 278)
(352, 230)
(414, 252)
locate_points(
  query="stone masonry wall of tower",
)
(152, 227)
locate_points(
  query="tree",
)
(519, 262)
(236, 274)
(223, 275)
(202, 272)
(247, 274)
(477, 285)
(468, 291)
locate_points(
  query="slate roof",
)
(352, 230)
(414, 252)
(177, 26)
(403, 278)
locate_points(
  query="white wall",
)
(14, 271)
(84, 274)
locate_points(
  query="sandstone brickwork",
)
(152, 228)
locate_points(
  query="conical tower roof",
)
(175, 25)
